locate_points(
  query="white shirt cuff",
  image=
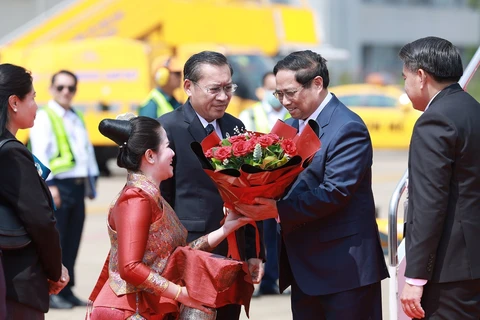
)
(416, 282)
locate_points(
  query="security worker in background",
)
(160, 100)
(59, 138)
(261, 117)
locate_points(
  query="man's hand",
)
(262, 209)
(55, 195)
(410, 298)
(56, 287)
(255, 266)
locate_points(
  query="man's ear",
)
(318, 82)
(422, 77)
(187, 87)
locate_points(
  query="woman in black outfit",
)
(34, 271)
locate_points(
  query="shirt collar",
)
(205, 122)
(322, 105)
(428, 105)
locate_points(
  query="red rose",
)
(289, 147)
(234, 139)
(274, 137)
(241, 148)
(209, 153)
(266, 140)
(223, 153)
(251, 143)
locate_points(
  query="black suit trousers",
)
(363, 303)
(452, 300)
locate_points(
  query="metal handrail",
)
(401, 186)
(392, 220)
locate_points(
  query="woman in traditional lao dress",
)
(141, 279)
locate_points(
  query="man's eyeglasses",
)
(214, 90)
(290, 94)
(71, 89)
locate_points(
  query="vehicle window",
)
(352, 100)
(380, 101)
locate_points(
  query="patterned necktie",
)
(209, 129)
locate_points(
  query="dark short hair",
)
(436, 56)
(14, 80)
(307, 65)
(71, 74)
(191, 70)
(134, 136)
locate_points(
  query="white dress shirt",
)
(314, 115)
(44, 143)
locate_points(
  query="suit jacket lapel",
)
(325, 115)
(195, 127)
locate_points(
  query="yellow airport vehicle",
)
(386, 110)
(112, 44)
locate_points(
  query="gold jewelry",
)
(178, 293)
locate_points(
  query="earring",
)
(15, 110)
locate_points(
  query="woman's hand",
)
(256, 268)
(56, 287)
(233, 221)
(187, 301)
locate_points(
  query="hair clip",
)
(126, 116)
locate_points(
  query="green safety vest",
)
(260, 119)
(64, 160)
(163, 106)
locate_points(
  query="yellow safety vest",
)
(64, 160)
(260, 119)
(163, 106)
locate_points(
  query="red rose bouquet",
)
(253, 164)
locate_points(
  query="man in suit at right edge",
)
(330, 246)
(443, 220)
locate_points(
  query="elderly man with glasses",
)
(59, 139)
(191, 192)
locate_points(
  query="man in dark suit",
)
(191, 192)
(443, 221)
(330, 248)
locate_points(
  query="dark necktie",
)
(209, 129)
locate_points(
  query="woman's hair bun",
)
(116, 130)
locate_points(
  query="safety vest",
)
(64, 160)
(163, 106)
(260, 119)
